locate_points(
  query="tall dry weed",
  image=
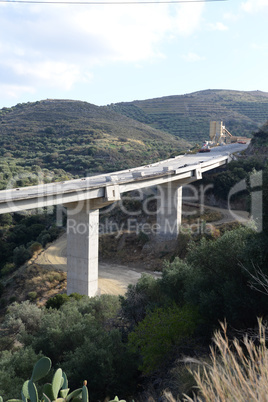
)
(238, 372)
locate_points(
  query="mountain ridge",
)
(188, 115)
(79, 137)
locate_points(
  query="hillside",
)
(188, 116)
(259, 143)
(78, 137)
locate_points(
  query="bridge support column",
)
(82, 248)
(169, 209)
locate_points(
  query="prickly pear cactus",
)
(84, 393)
(41, 369)
(57, 391)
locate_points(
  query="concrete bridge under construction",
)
(84, 197)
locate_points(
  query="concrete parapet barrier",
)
(136, 175)
(111, 178)
(167, 168)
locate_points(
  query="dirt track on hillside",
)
(227, 215)
(113, 278)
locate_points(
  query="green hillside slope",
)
(188, 116)
(259, 143)
(79, 137)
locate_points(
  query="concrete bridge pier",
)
(169, 210)
(83, 241)
(82, 248)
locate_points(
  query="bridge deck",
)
(97, 191)
(177, 168)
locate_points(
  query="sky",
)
(108, 53)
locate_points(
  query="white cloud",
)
(259, 46)
(231, 17)
(253, 6)
(14, 91)
(192, 57)
(97, 33)
(54, 74)
(217, 26)
(55, 45)
(188, 18)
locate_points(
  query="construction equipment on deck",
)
(219, 134)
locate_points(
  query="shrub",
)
(34, 247)
(57, 301)
(32, 296)
(218, 284)
(182, 244)
(8, 268)
(80, 336)
(161, 331)
(23, 319)
(105, 361)
(140, 298)
(44, 238)
(14, 368)
(215, 276)
(21, 255)
(265, 200)
(143, 238)
(5, 220)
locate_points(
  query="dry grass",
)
(237, 371)
(33, 279)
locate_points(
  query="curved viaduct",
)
(84, 197)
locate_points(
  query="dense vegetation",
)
(110, 341)
(259, 141)
(124, 345)
(22, 235)
(188, 116)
